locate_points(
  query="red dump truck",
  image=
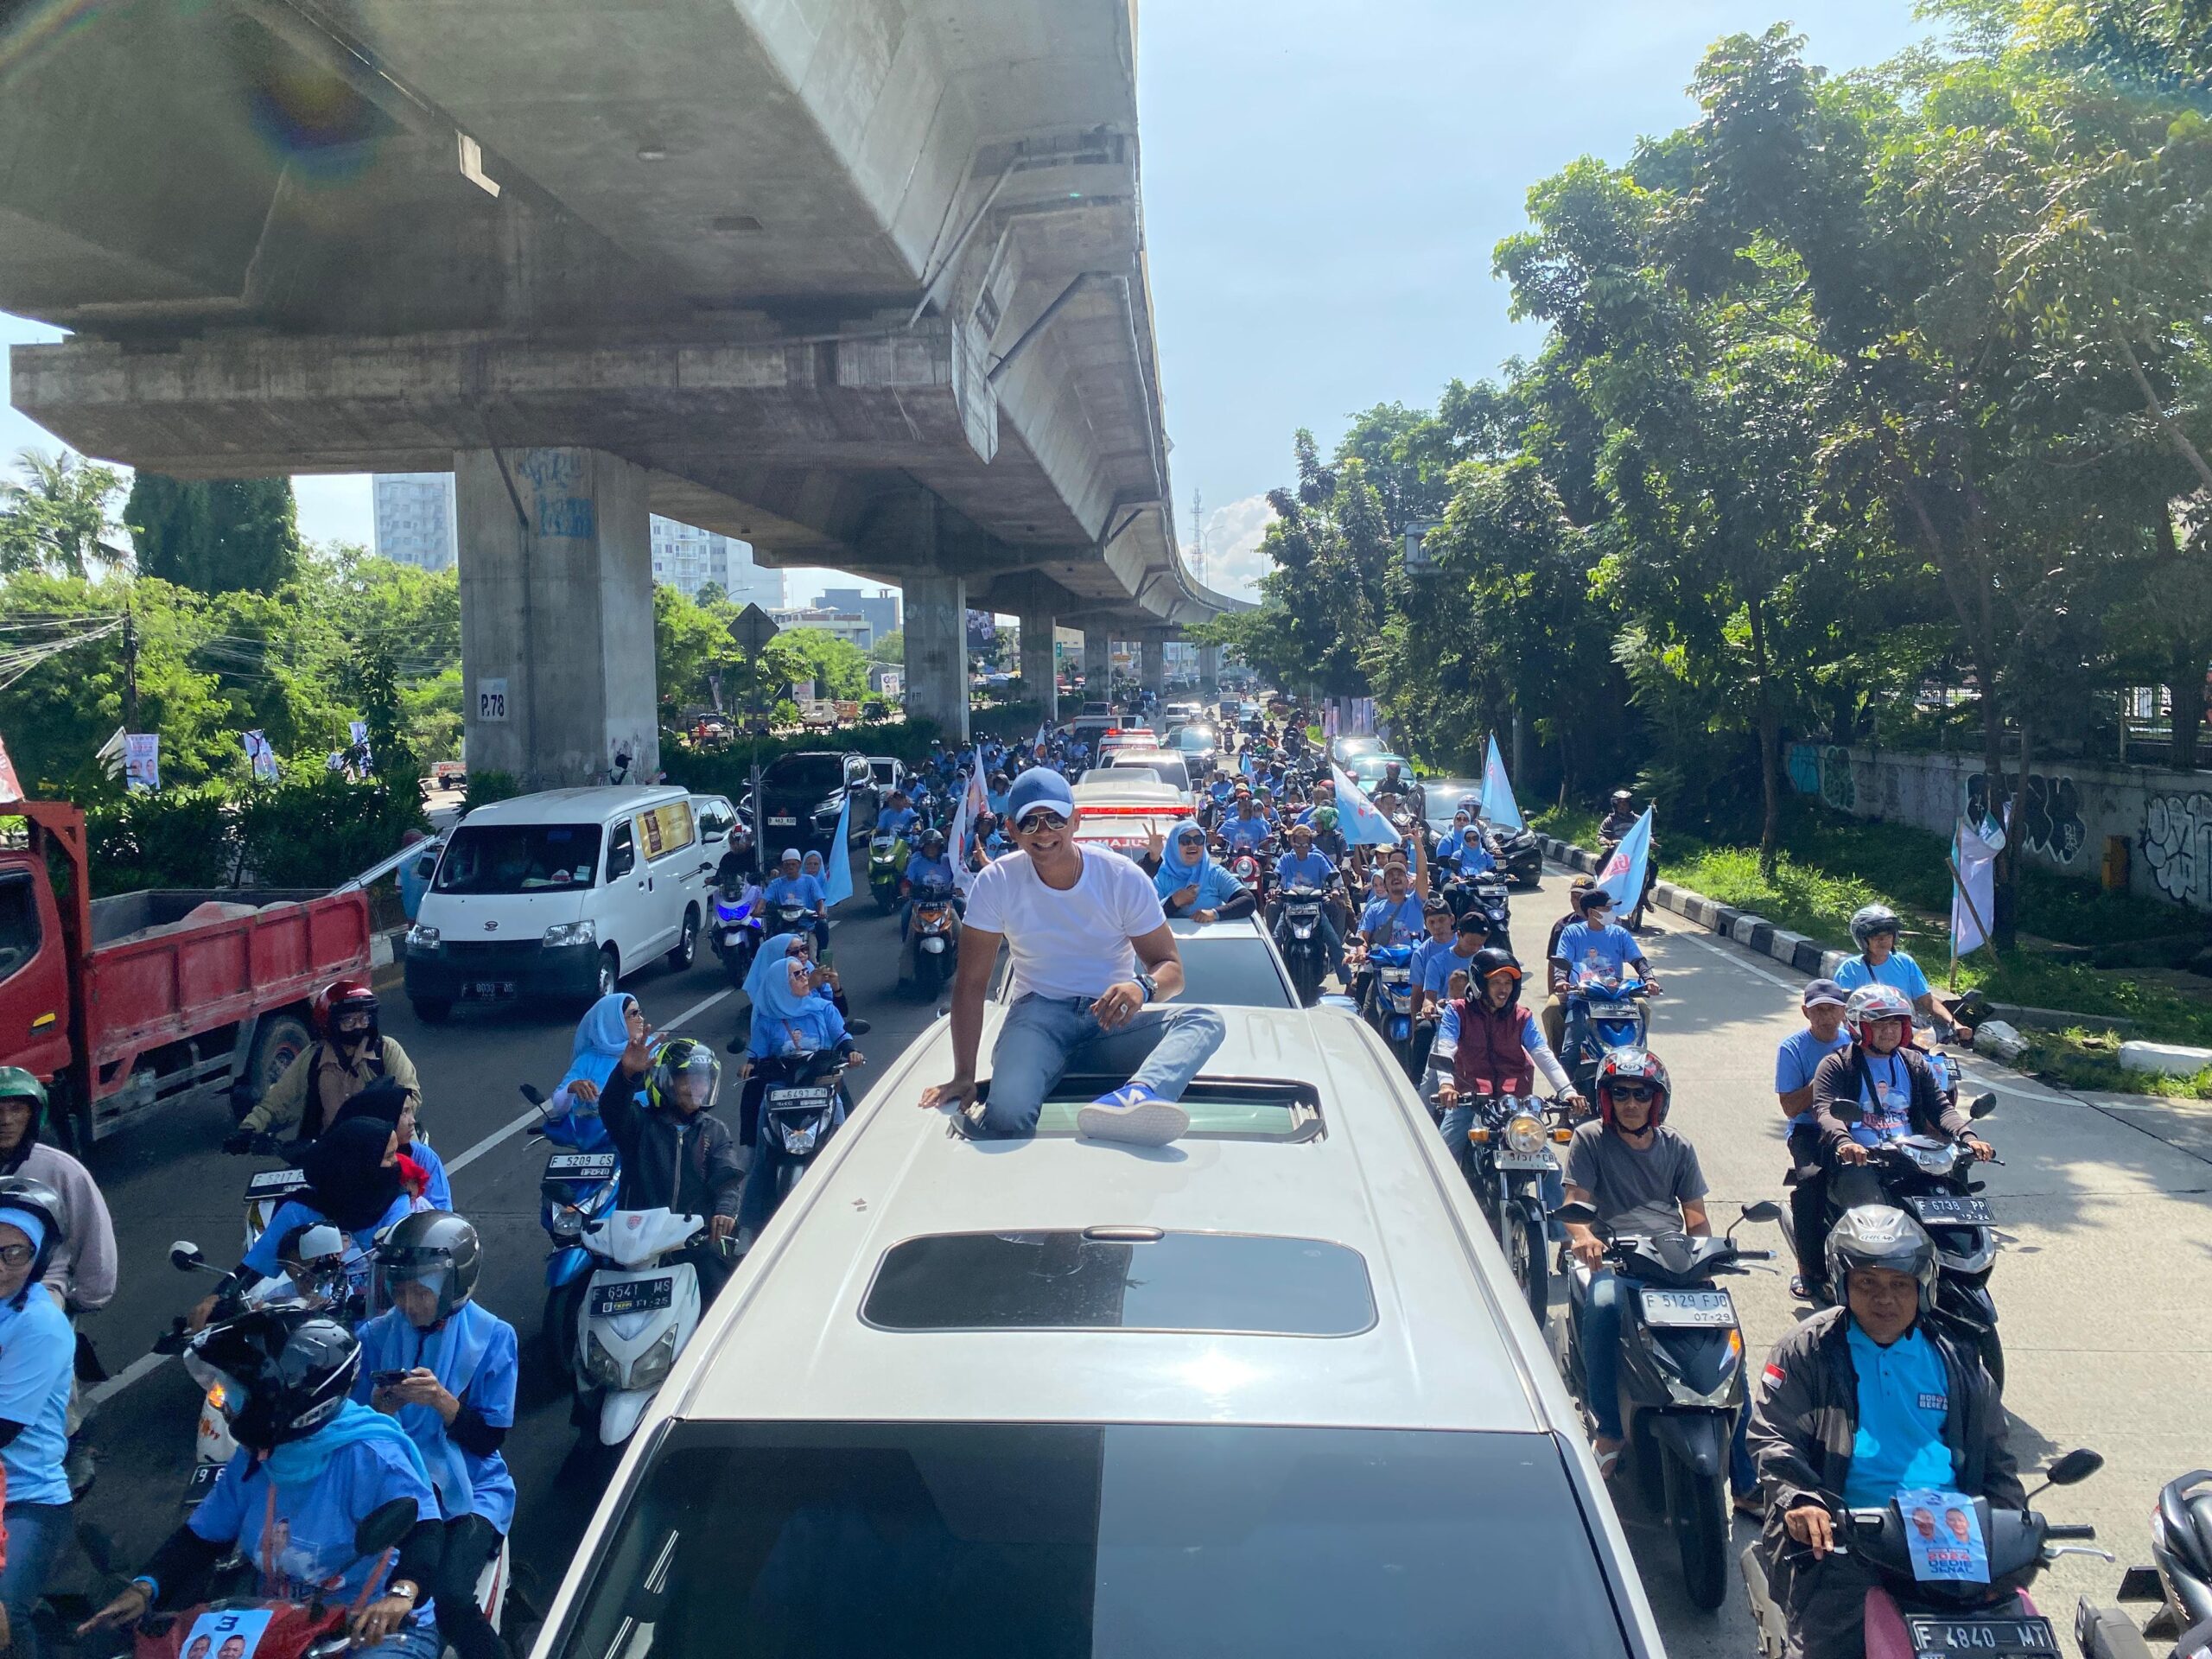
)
(128, 1003)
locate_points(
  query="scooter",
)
(1619, 1017)
(1297, 936)
(1516, 1179)
(933, 938)
(1488, 895)
(1681, 1374)
(1391, 1002)
(735, 934)
(802, 1105)
(785, 917)
(1927, 1178)
(2179, 1580)
(1908, 1617)
(576, 1191)
(1522, 859)
(640, 1310)
(887, 863)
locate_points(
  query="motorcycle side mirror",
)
(2073, 1468)
(1981, 1106)
(530, 1093)
(1582, 1215)
(185, 1256)
(1764, 1210)
(382, 1527)
(737, 1046)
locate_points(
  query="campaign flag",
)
(1044, 736)
(837, 862)
(1497, 804)
(141, 760)
(260, 757)
(1973, 886)
(11, 789)
(955, 839)
(1623, 876)
(357, 730)
(1362, 822)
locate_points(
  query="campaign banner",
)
(141, 760)
(983, 631)
(1943, 1535)
(259, 756)
(11, 788)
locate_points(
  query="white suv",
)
(1267, 1390)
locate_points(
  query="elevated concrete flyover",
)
(861, 282)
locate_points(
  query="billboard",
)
(983, 631)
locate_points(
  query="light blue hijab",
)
(601, 1035)
(1175, 874)
(769, 983)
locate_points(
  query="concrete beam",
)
(1037, 663)
(557, 615)
(936, 626)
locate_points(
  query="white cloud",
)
(1233, 562)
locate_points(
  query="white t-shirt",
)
(1071, 944)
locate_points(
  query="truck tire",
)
(282, 1038)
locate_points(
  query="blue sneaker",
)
(1133, 1114)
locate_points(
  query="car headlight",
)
(1524, 1133)
(568, 934)
(420, 938)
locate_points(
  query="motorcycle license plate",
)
(1691, 1308)
(1946, 1210)
(633, 1296)
(1396, 976)
(1997, 1638)
(787, 1099)
(276, 1183)
(1505, 1160)
(580, 1166)
(487, 989)
(781, 819)
(199, 1483)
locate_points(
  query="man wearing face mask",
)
(349, 1053)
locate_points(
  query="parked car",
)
(801, 794)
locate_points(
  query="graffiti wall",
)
(2063, 819)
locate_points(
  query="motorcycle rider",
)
(37, 1356)
(1190, 884)
(677, 1154)
(789, 1018)
(1494, 1040)
(1465, 940)
(1795, 1061)
(1874, 929)
(1436, 917)
(1596, 947)
(1247, 829)
(1303, 866)
(792, 885)
(456, 1402)
(1875, 1089)
(1861, 1401)
(929, 865)
(1554, 1009)
(312, 1464)
(1618, 822)
(80, 1270)
(349, 1052)
(898, 815)
(1467, 847)
(421, 1170)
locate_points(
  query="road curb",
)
(385, 970)
(1754, 932)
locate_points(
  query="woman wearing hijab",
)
(421, 1171)
(1190, 884)
(608, 1026)
(788, 1018)
(37, 1362)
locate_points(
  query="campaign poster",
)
(1943, 1535)
(226, 1633)
(141, 760)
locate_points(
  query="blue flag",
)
(837, 862)
(1622, 873)
(1497, 802)
(1361, 820)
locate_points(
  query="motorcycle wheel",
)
(736, 964)
(557, 1332)
(1525, 1250)
(1697, 1509)
(887, 900)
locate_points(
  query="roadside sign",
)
(753, 629)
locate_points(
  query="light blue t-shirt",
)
(1446, 961)
(1311, 871)
(391, 1343)
(1900, 973)
(923, 871)
(1884, 1101)
(895, 821)
(1425, 952)
(1797, 1059)
(800, 889)
(1246, 832)
(1904, 1396)
(1597, 952)
(816, 1026)
(1216, 887)
(1401, 923)
(38, 1354)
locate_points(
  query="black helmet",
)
(1623, 795)
(932, 841)
(682, 1057)
(283, 1372)
(436, 1249)
(1491, 960)
(41, 1203)
(1877, 1236)
(1869, 919)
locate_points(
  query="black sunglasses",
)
(1631, 1091)
(1041, 821)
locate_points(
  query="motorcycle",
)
(2179, 1580)
(1297, 936)
(1520, 858)
(1926, 1177)
(576, 1192)
(788, 917)
(1509, 1163)
(1908, 1617)
(1250, 868)
(736, 932)
(932, 938)
(1681, 1373)
(886, 864)
(802, 1105)
(1619, 1016)
(1488, 895)
(639, 1311)
(1390, 1002)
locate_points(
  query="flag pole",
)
(1958, 884)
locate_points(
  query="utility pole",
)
(1198, 534)
(129, 669)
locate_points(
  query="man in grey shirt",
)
(1626, 1161)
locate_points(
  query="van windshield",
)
(860, 1540)
(489, 858)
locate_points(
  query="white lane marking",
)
(1733, 959)
(145, 1364)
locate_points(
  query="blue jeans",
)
(1601, 1339)
(37, 1533)
(1044, 1037)
(412, 1640)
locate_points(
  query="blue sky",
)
(1324, 185)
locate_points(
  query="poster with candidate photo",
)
(226, 1633)
(1943, 1534)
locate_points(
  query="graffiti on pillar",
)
(1805, 768)
(2049, 817)
(1837, 788)
(556, 478)
(2177, 844)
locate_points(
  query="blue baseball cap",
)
(1039, 786)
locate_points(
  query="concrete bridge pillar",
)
(1153, 664)
(937, 653)
(557, 615)
(1210, 669)
(1097, 662)
(1037, 663)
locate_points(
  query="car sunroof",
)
(1221, 1109)
(1121, 1279)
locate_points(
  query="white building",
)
(842, 624)
(687, 558)
(415, 518)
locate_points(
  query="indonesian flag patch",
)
(1775, 1373)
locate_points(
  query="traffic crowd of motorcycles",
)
(348, 1485)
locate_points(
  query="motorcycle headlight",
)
(601, 1367)
(801, 1137)
(1524, 1133)
(655, 1363)
(420, 938)
(568, 934)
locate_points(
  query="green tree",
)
(57, 517)
(215, 535)
(890, 650)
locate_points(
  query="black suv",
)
(801, 794)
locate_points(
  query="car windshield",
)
(1195, 737)
(815, 775)
(1366, 767)
(896, 1541)
(485, 858)
(1232, 973)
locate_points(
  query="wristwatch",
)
(1150, 987)
(406, 1587)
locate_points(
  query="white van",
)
(557, 896)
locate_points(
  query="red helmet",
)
(1632, 1063)
(1876, 1001)
(344, 996)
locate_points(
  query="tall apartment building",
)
(415, 518)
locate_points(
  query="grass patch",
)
(2083, 1058)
